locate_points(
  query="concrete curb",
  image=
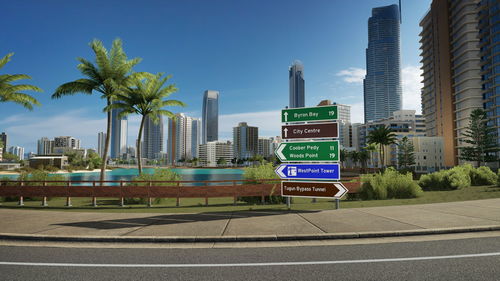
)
(246, 238)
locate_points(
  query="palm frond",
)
(7, 78)
(5, 59)
(84, 86)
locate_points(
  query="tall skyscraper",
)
(183, 141)
(297, 85)
(245, 141)
(210, 116)
(152, 138)
(45, 146)
(119, 134)
(382, 84)
(489, 39)
(3, 139)
(101, 141)
(451, 72)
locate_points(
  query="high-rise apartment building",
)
(119, 134)
(451, 72)
(245, 141)
(182, 141)
(152, 145)
(265, 147)
(489, 43)
(101, 142)
(45, 146)
(4, 139)
(65, 143)
(210, 118)
(212, 152)
(18, 151)
(297, 85)
(382, 84)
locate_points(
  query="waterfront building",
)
(210, 118)
(265, 147)
(65, 143)
(4, 139)
(451, 72)
(489, 44)
(119, 134)
(245, 141)
(18, 151)
(382, 83)
(212, 152)
(296, 84)
(152, 145)
(45, 146)
(183, 140)
(101, 142)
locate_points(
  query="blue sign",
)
(309, 171)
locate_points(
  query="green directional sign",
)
(318, 113)
(308, 151)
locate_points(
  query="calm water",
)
(186, 174)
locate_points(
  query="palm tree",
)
(146, 97)
(12, 93)
(371, 148)
(363, 157)
(112, 72)
(382, 136)
(354, 155)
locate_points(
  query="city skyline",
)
(334, 66)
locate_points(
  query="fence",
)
(146, 189)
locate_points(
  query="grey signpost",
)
(322, 154)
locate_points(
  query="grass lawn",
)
(197, 205)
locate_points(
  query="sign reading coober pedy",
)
(308, 151)
(318, 113)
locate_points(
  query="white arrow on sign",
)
(286, 116)
(279, 152)
(342, 189)
(279, 171)
(286, 132)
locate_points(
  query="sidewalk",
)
(252, 225)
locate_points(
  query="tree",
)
(343, 157)
(481, 139)
(382, 136)
(112, 72)
(146, 97)
(354, 155)
(406, 153)
(221, 161)
(10, 157)
(363, 157)
(13, 93)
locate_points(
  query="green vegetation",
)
(10, 157)
(158, 175)
(458, 177)
(381, 136)
(389, 184)
(406, 153)
(13, 93)
(264, 171)
(146, 98)
(481, 139)
(112, 72)
(35, 175)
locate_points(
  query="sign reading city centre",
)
(310, 123)
(308, 151)
(318, 113)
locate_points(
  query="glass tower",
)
(152, 138)
(297, 85)
(382, 84)
(210, 118)
(119, 134)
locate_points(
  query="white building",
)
(65, 143)
(45, 146)
(211, 152)
(183, 138)
(265, 148)
(429, 153)
(18, 151)
(101, 141)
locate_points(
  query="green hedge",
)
(264, 171)
(158, 175)
(389, 184)
(34, 175)
(458, 177)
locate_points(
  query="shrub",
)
(34, 175)
(483, 176)
(157, 175)
(452, 179)
(389, 184)
(265, 171)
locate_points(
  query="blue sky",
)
(241, 48)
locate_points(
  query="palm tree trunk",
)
(381, 157)
(106, 146)
(139, 164)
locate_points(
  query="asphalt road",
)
(462, 259)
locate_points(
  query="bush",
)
(452, 179)
(158, 175)
(34, 175)
(389, 184)
(265, 171)
(483, 176)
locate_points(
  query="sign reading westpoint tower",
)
(308, 151)
(309, 171)
(318, 113)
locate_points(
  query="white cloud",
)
(412, 85)
(352, 74)
(268, 122)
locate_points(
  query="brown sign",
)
(312, 189)
(310, 131)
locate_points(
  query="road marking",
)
(251, 264)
